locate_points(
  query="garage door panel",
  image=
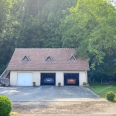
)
(24, 79)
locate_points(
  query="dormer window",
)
(72, 58)
(26, 58)
(49, 59)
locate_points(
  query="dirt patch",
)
(86, 107)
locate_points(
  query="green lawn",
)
(102, 89)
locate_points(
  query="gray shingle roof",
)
(37, 60)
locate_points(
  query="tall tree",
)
(41, 28)
(6, 30)
(52, 14)
(90, 27)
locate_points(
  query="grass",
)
(102, 89)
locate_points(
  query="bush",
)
(59, 84)
(110, 96)
(5, 106)
(84, 83)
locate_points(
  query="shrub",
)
(110, 96)
(59, 84)
(34, 84)
(84, 83)
(5, 106)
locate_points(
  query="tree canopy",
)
(90, 27)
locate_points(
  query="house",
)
(47, 66)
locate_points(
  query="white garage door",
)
(24, 79)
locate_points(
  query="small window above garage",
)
(25, 59)
(49, 59)
(72, 58)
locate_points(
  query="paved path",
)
(49, 93)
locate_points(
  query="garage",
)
(48, 79)
(71, 79)
(24, 79)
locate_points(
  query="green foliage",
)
(5, 106)
(102, 89)
(110, 95)
(91, 25)
(34, 84)
(41, 28)
(105, 72)
(59, 84)
(84, 83)
(6, 32)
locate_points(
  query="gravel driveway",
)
(49, 93)
(95, 108)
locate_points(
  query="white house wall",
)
(82, 78)
(37, 76)
(59, 78)
(13, 78)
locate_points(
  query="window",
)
(25, 58)
(48, 59)
(72, 58)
